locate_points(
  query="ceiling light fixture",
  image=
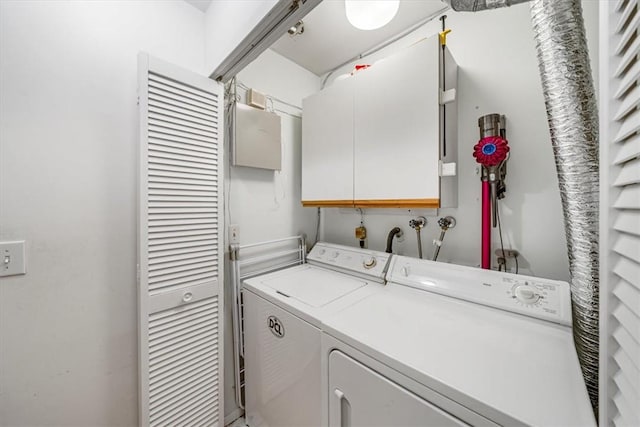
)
(370, 14)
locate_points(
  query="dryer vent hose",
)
(572, 113)
(478, 5)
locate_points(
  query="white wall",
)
(266, 204)
(68, 144)
(498, 74)
(228, 22)
(68, 138)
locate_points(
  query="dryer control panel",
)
(532, 296)
(360, 262)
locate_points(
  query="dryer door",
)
(359, 397)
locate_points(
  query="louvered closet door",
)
(180, 285)
(620, 228)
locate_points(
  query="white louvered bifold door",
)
(180, 283)
(620, 213)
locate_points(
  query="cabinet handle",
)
(345, 408)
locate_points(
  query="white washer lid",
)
(314, 287)
(311, 292)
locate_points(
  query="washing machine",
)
(452, 345)
(283, 313)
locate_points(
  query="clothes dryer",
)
(454, 345)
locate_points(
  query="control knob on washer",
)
(369, 262)
(526, 294)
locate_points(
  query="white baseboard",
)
(230, 418)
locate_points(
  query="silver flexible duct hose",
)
(572, 114)
(477, 5)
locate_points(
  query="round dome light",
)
(370, 14)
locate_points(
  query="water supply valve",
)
(418, 224)
(446, 223)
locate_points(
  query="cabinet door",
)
(180, 284)
(327, 146)
(360, 397)
(397, 129)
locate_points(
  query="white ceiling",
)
(199, 4)
(329, 40)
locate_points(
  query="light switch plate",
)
(12, 258)
(234, 234)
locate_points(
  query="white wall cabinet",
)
(376, 139)
(327, 147)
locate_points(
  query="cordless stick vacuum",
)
(492, 152)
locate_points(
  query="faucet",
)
(446, 223)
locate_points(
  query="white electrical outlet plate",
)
(12, 258)
(234, 234)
